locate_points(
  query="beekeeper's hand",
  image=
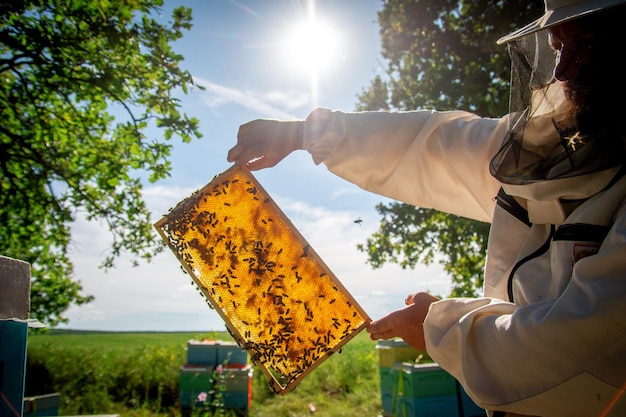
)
(406, 323)
(263, 143)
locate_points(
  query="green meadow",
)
(137, 374)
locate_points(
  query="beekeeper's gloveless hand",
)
(406, 323)
(263, 143)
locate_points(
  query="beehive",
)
(278, 299)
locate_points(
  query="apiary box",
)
(202, 352)
(395, 351)
(411, 384)
(440, 406)
(392, 353)
(215, 352)
(426, 380)
(14, 310)
(195, 386)
(228, 353)
(468, 406)
(389, 388)
(426, 391)
(13, 336)
(42, 405)
(235, 377)
(216, 386)
(233, 386)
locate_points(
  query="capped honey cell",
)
(275, 294)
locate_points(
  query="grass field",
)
(137, 374)
(114, 340)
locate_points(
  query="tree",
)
(375, 97)
(82, 83)
(443, 55)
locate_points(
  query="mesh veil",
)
(543, 142)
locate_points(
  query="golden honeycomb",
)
(278, 299)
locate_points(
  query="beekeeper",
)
(548, 338)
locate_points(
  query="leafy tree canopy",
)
(441, 54)
(82, 81)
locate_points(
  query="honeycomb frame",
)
(278, 299)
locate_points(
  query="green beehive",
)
(213, 387)
(426, 390)
(42, 405)
(440, 406)
(468, 406)
(196, 386)
(14, 311)
(426, 380)
(389, 384)
(233, 387)
(202, 352)
(413, 385)
(229, 353)
(395, 350)
(392, 353)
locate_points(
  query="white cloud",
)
(268, 104)
(290, 101)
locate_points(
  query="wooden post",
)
(14, 310)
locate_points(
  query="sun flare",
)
(311, 45)
(309, 48)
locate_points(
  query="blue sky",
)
(242, 52)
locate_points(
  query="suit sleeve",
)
(429, 159)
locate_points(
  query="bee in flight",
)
(359, 221)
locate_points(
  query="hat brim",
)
(557, 16)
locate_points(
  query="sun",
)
(311, 45)
(310, 49)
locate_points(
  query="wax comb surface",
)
(276, 296)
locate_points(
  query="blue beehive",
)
(194, 381)
(14, 311)
(216, 375)
(42, 405)
(412, 385)
(427, 391)
(12, 366)
(392, 353)
(229, 353)
(468, 406)
(215, 352)
(234, 385)
(202, 353)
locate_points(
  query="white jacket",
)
(549, 336)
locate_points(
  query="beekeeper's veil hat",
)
(542, 142)
(559, 11)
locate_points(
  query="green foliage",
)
(442, 55)
(137, 374)
(375, 97)
(410, 235)
(102, 373)
(82, 82)
(94, 382)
